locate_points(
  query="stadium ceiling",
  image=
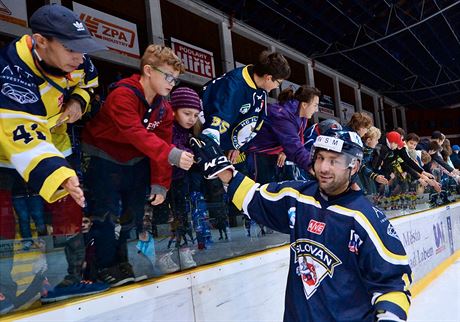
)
(404, 49)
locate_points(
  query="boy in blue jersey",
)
(46, 79)
(347, 263)
(233, 102)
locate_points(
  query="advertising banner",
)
(116, 34)
(196, 60)
(14, 11)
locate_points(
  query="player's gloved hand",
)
(209, 156)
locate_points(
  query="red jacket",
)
(118, 131)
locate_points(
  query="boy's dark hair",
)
(303, 94)
(412, 137)
(434, 146)
(401, 132)
(272, 64)
(436, 135)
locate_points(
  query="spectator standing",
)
(129, 141)
(53, 57)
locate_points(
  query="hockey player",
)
(347, 262)
(233, 102)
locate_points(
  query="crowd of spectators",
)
(131, 153)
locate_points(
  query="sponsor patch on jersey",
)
(314, 263)
(19, 93)
(245, 108)
(380, 215)
(316, 227)
(291, 214)
(244, 132)
(355, 242)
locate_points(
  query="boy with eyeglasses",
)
(128, 142)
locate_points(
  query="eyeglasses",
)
(279, 82)
(168, 77)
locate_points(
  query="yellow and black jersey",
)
(347, 262)
(30, 100)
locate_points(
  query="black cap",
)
(63, 24)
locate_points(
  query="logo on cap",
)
(79, 25)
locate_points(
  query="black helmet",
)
(340, 141)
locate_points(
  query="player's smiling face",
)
(332, 172)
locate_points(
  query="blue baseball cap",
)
(455, 147)
(63, 24)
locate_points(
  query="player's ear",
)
(356, 166)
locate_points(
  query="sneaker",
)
(127, 269)
(186, 258)
(116, 275)
(167, 264)
(5, 304)
(83, 288)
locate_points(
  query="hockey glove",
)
(209, 156)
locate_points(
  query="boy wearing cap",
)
(129, 143)
(45, 79)
(455, 156)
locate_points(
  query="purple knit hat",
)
(184, 97)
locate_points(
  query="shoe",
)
(83, 288)
(5, 304)
(117, 275)
(186, 258)
(167, 264)
(127, 269)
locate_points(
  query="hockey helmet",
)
(344, 142)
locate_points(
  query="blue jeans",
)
(26, 207)
(116, 194)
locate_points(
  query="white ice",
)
(440, 301)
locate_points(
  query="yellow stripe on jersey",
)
(287, 191)
(384, 252)
(398, 298)
(242, 192)
(248, 78)
(25, 161)
(53, 182)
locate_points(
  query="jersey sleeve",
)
(26, 144)
(383, 262)
(90, 81)
(220, 107)
(268, 204)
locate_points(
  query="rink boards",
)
(249, 288)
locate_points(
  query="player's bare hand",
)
(233, 155)
(72, 186)
(156, 199)
(381, 179)
(186, 160)
(281, 160)
(71, 112)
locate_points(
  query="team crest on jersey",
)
(355, 242)
(18, 93)
(314, 263)
(244, 132)
(245, 108)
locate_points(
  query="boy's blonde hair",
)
(371, 133)
(157, 55)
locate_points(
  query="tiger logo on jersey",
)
(314, 263)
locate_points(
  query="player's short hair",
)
(303, 94)
(157, 55)
(412, 137)
(372, 133)
(272, 64)
(359, 120)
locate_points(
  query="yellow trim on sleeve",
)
(287, 191)
(50, 190)
(242, 191)
(84, 94)
(33, 164)
(398, 298)
(248, 78)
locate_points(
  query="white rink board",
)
(251, 289)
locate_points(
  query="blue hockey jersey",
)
(346, 261)
(231, 106)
